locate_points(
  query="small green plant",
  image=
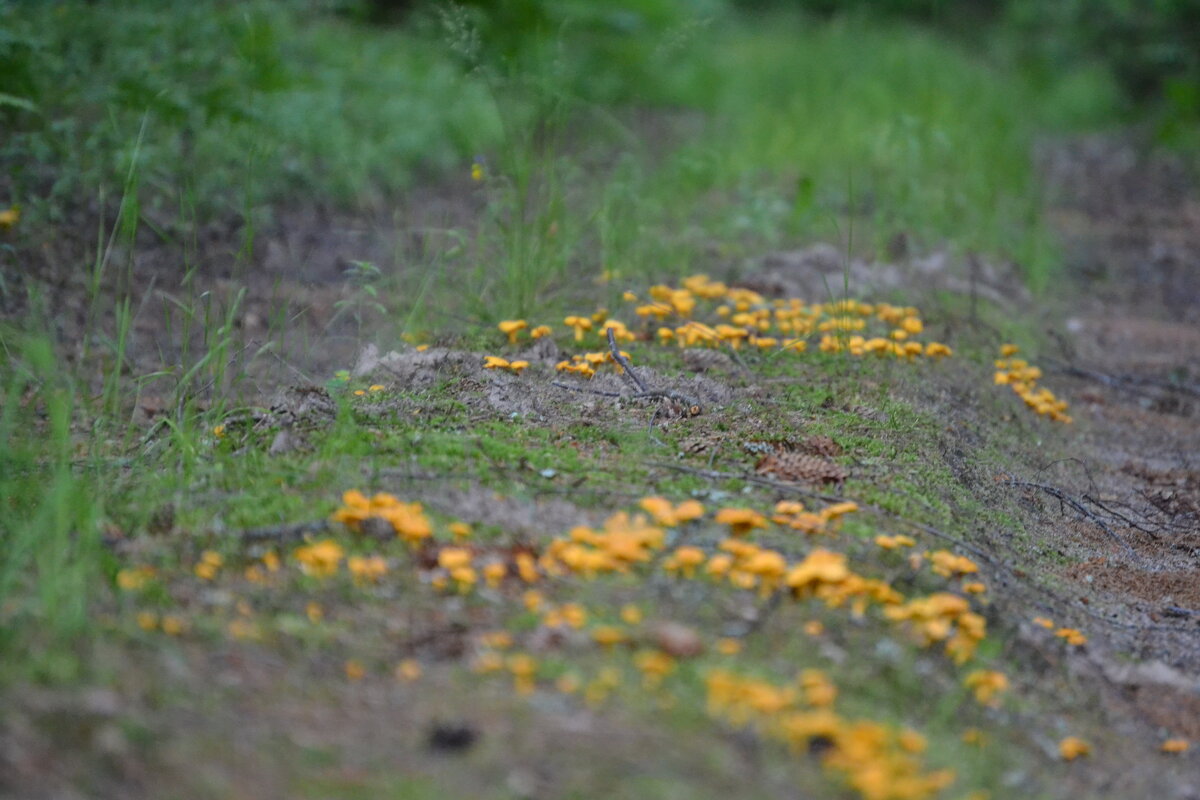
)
(362, 279)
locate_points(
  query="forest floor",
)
(1049, 586)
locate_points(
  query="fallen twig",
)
(623, 362)
(1066, 499)
(1130, 382)
(665, 394)
(1118, 515)
(585, 389)
(295, 530)
(761, 481)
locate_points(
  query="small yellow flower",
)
(631, 614)
(210, 564)
(893, 542)
(660, 509)
(134, 578)
(532, 600)
(1073, 747)
(9, 217)
(354, 670)
(408, 670)
(173, 625)
(477, 172)
(654, 665)
(729, 647)
(689, 510)
(487, 662)
(320, 559)
(719, 565)
(367, 569)
(451, 558)
(987, 685)
(608, 635)
(147, 620)
(527, 568)
(219, 431)
(1072, 636)
(465, 577)
(574, 615)
(241, 628)
(685, 560)
(912, 741)
(497, 640)
(948, 564)
(494, 573)
(522, 665)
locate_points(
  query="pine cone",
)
(801, 468)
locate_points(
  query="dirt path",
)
(1130, 354)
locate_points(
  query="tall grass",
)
(903, 129)
(812, 128)
(239, 108)
(49, 516)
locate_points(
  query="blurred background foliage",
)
(253, 76)
(918, 113)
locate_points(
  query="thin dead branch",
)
(623, 362)
(1127, 382)
(1077, 505)
(283, 533)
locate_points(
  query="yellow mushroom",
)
(511, 328)
(580, 324)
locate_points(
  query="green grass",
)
(49, 525)
(239, 105)
(812, 128)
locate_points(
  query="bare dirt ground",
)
(1130, 353)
